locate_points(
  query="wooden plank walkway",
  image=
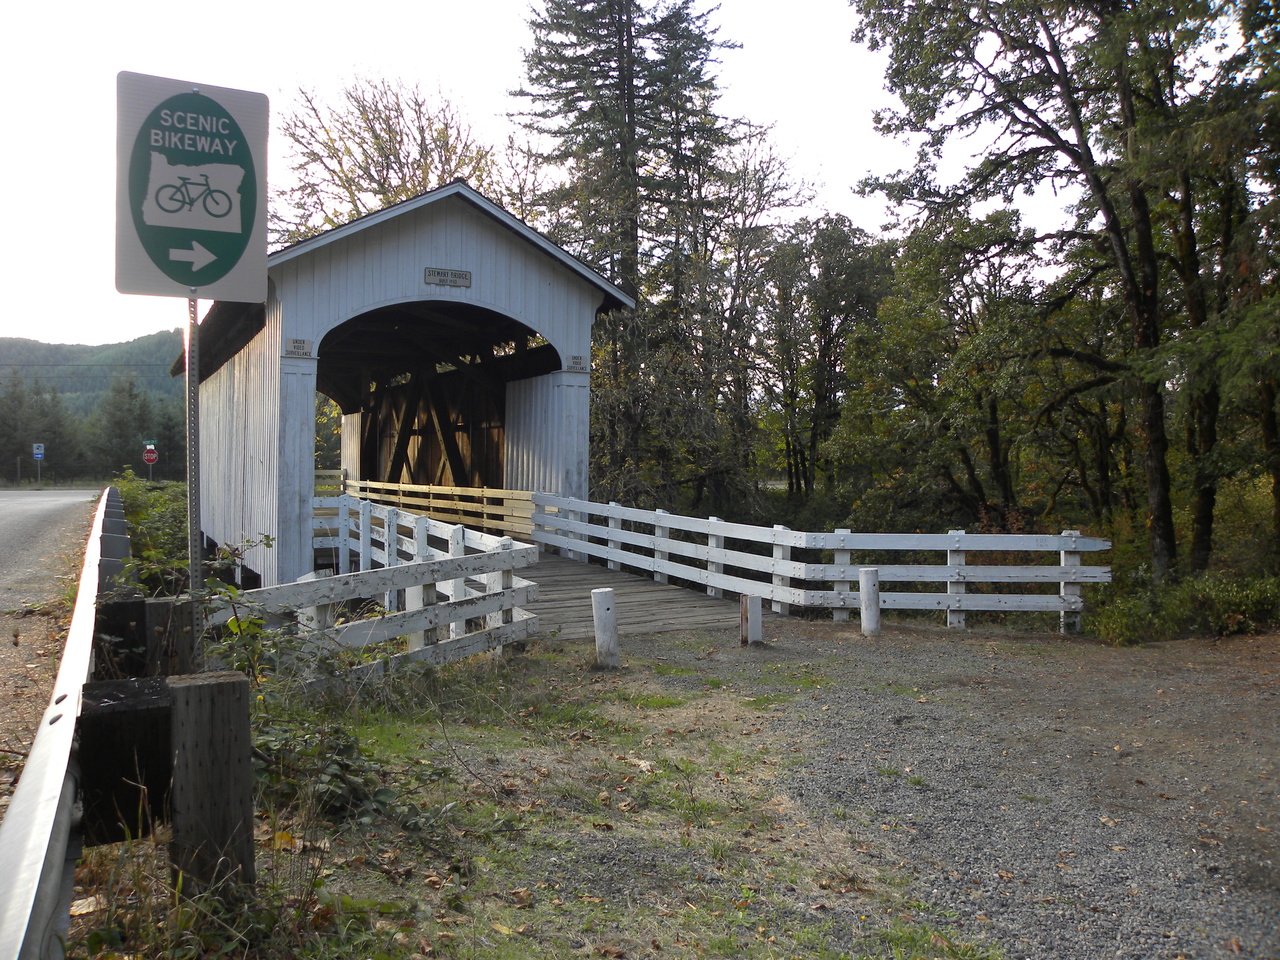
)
(643, 605)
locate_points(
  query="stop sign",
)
(150, 456)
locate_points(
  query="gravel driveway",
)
(1064, 798)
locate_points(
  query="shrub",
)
(1215, 604)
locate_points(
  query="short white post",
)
(457, 589)
(752, 629)
(1070, 620)
(781, 554)
(955, 583)
(842, 557)
(608, 656)
(869, 600)
(615, 523)
(661, 533)
(715, 568)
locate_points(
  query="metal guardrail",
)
(39, 838)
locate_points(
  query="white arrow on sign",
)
(197, 256)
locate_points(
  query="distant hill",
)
(81, 374)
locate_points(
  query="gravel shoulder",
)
(1063, 798)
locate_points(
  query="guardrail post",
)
(841, 557)
(955, 584)
(615, 523)
(211, 801)
(1070, 621)
(661, 533)
(714, 567)
(781, 552)
(869, 600)
(500, 581)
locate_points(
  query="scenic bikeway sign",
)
(191, 196)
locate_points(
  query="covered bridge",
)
(455, 339)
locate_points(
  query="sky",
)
(796, 70)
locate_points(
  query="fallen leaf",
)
(502, 929)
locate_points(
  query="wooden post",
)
(615, 523)
(1070, 621)
(955, 585)
(211, 800)
(661, 533)
(842, 557)
(714, 567)
(752, 629)
(608, 655)
(781, 553)
(869, 600)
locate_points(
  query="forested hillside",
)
(91, 406)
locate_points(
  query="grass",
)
(524, 808)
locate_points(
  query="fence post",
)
(752, 629)
(415, 598)
(615, 523)
(841, 558)
(661, 533)
(366, 535)
(211, 801)
(605, 617)
(501, 580)
(344, 534)
(955, 585)
(391, 547)
(781, 552)
(457, 589)
(716, 542)
(869, 600)
(1070, 621)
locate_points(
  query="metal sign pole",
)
(194, 545)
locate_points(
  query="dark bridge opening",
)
(429, 382)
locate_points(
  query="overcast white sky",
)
(797, 69)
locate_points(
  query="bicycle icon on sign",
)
(175, 197)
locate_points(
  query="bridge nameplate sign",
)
(439, 277)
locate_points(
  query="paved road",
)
(39, 529)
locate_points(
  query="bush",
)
(1215, 604)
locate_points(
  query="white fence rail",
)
(38, 842)
(450, 590)
(760, 561)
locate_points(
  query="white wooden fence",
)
(760, 561)
(450, 590)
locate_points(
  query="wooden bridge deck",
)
(643, 605)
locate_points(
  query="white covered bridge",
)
(457, 342)
(455, 339)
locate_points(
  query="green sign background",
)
(160, 241)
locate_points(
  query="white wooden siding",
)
(547, 434)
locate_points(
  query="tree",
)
(1098, 97)
(380, 144)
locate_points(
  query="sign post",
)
(149, 457)
(37, 454)
(191, 221)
